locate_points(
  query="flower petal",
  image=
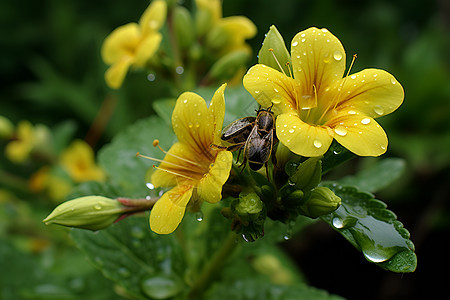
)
(115, 75)
(372, 92)
(210, 186)
(153, 17)
(318, 60)
(147, 49)
(302, 138)
(193, 124)
(217, 110)
(169, 210)
(121, 42)
(360, 134)
(269, 86)
(239, 28)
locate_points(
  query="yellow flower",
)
(194, 169)
(224, 34)
(317, 104)
(133, 44)
(79, 162)
(20, 148)
(56, 187)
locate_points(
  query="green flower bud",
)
(274, 47)
(322, 201)
(203, 21)
(183, 27)
(308, 174)
(6, 128)
(228, 65)
(90, 212)
(249, 207)
(217, 38)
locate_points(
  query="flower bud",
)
(321, 201)
(90, 212)
(308, 174)
(217, 38)
(248, 207)
(227, 66)
(6, 128)
(183, 27)
(274, 47)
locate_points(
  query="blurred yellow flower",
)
(132, 45)
(79, 162)
(223, 34)
(315, 104)
(194, 169)
(26, 139)
(56, 187)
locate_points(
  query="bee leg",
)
(218, 146)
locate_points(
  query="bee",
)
(256, 135)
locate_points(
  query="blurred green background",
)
(52, 74)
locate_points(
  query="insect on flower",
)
(255, 134)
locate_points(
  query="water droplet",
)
(352, 112)
(276, 101)
(148, 198)
(337, 55)
(294, 43)
(378, 109)
(161, 287)
(179, 70)
(317, 143)
(341, 130)
(150, 186)
(324, 30)
(190, 125)
(393, 81)
(151, 77)
(302, 35)
(245, 238)
(185, 101)
(97, 206)
(326, 58)
(137, 232)
(199, 216)
(124, 272)
(303, 40)
(197, 125)
(291, 130)
(383, 147)
(365, 121)
(338, 222)
(256, 92)
(199, 114)
(336, 152)
(285, 125)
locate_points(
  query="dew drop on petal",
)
(294, 43)
(291, 130)
(256, 92)
(285, 125)
(341, 130)
(352, 112)
(317, 143)
(378, 109)
(185, 101)
(97, 206)
(276, 101)
(365, 121)
(393, 81)
(337, 55)
(150, 186)
(303, 40)
(302, 35)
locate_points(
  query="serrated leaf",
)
(335, 156)
(372, 229)
(119, 159)
(378, 176)
(147, 265)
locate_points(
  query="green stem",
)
(213, 267)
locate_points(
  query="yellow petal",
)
(210, 186)
(121, 42)
(18, 150)
(153, 17)
(193, 124)
(302, 138)
(169, 210)
(318, 60)
(360, 134)
(147, 49)
(212, 7)
(372, 92)
(269, 86)
(175, 162)
(217, 110)
(115, 75)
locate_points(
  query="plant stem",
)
(213, 267)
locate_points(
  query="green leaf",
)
(274, 46)
(146, 265)
(259, 288)
(118, 159)
(164, 109)
(372, 229)
(378, 176)
(335, 156)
